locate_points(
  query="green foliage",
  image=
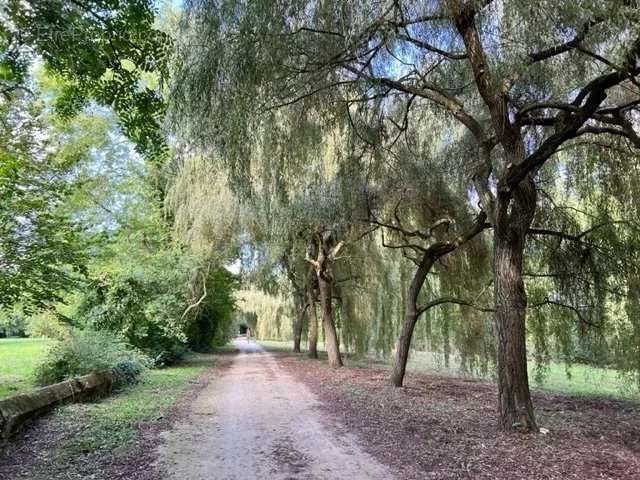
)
(87, 351)
(212, 324)
(102, 49)
(141, 304)
(146, 302)
(13, 323)
(47, 324)
(40, 245)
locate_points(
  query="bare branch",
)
(427, 46)
(204, 295)
(453, 300)
(433, 93)
(563, 47)
(334, 251)
(575, 310)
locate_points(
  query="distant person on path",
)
(248, 335)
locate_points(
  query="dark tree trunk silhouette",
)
(330, 334)
(409, 323)
(430, 255)
(299, 300)
(313, 321)
(297, 329)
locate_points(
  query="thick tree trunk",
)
(330, 334)
(313, 325)
(514, 399)
(633, 313)
(410, 318)
(297, 329)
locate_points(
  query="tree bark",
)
(633, 313)
(297, 328)
(330, 334)
(513, 218)
(298, 300)
(325, 255)
(411, 315)
(313, 324)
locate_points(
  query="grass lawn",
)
(18, 359)
(583, 380)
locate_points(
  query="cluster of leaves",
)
(213, 322)
(159, 297)
(15, 322)
(145, 304)
(107, 51)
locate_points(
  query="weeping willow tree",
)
(204, 215)
(523, 81)
(297, 207)
(271, 312)
(205, 212)
(581, 267)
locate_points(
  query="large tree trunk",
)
(297, 329)
(410, 318)
(312, 339)
(298, 300)
(633, 313)
(330, 335)
(514, 399)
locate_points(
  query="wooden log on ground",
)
(17, 410)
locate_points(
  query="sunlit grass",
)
(18, 359)
(578, 380)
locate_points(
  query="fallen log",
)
(17, 410)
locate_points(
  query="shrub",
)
(46, 324)
(141, 308)
(87, 351)
(146, 305)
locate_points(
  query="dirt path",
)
(256, 421)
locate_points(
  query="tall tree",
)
(41, 246)
(472, 60)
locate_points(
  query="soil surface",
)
(445, 428)
(256, 421)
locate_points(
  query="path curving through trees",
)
(256, 421)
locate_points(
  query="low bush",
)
(87, 351)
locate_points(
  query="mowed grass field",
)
(581, 380)
(18, 359)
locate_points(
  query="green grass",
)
(112, 423)
(583, 380)
(18, 359)
(577, 380)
